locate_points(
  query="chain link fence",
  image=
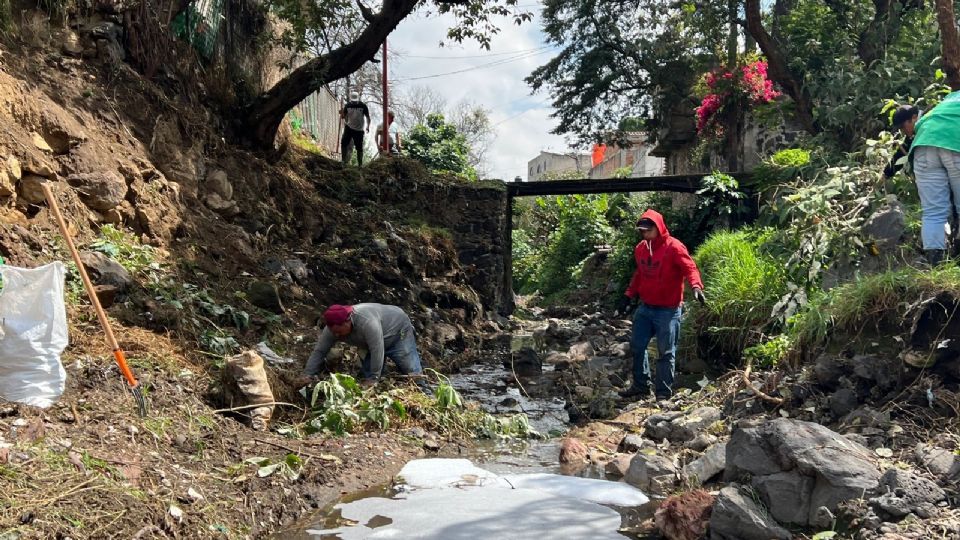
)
(318, 117)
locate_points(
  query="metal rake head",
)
(140, 399)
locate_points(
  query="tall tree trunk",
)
(779, 70)
(263, 117)
(950, 46)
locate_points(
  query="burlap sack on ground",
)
(245, 383)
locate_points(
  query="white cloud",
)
(493, 79)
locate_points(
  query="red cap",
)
(336, 314)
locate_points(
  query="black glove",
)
(627, 306)
(698, 294)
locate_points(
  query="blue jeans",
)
(403, 352)
(938, 175)
(664, 323)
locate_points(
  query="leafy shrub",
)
(339, 405)
(783, 166)
(438, 145)
(769, 353)
(581, 225)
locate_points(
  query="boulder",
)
(710, 464)
(680, 426)
(685, 516)
(555, 334)
(298, 270)
(445, 334)
(819, 466)
(8, 186)
(105, 271)
(886, 226)
(525, 362)
(652, 473)
(939, 461)
(737, 517)
(618, 466)
(219, 183)
(29, 189)
(264, 295)
(701, 442)
(631, 442)
(39, 166)
(218, 204)
(621, 350)
(573, 451)
(581, 351)
(786, 495)
(100, 191)
(904, 492)
(843, 401)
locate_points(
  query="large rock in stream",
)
(680, 426)
(798, 467)
(737, 517)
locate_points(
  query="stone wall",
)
(476, 217)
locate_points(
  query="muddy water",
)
(499, 392)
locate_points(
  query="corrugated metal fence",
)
(318, 116)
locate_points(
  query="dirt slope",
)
(240, 250)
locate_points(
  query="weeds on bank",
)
(744, 283)
(206, 319)
(339, 405)
(875, 299)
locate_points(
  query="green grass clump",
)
(743, 284)
(873, 300)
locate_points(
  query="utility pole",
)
(385, 135)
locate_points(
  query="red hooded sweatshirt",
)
(662, 264)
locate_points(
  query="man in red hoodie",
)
(663, 262)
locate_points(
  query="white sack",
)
(33, 333)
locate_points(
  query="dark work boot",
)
(935, 256)
(635, 392)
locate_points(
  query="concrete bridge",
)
(680, 183)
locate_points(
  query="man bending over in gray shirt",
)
(385, 331)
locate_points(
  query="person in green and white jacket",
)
(936, 163)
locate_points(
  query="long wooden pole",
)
(91, 292)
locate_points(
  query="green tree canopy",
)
(438, 145)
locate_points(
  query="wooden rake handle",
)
(91, 292)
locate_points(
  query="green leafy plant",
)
(289, 468)
(126, 249)
(769, 353)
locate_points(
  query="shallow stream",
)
(498, 392)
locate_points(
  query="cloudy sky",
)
(492, 79)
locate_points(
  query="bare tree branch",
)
(779, 70)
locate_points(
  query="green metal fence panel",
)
(199, 25)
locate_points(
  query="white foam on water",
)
(452, 499)
(442, 473)
(489, 512)
(587, 489)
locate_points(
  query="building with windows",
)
(548, 165)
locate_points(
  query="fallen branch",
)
(756, 391)
(258, 405)
(295, 451)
